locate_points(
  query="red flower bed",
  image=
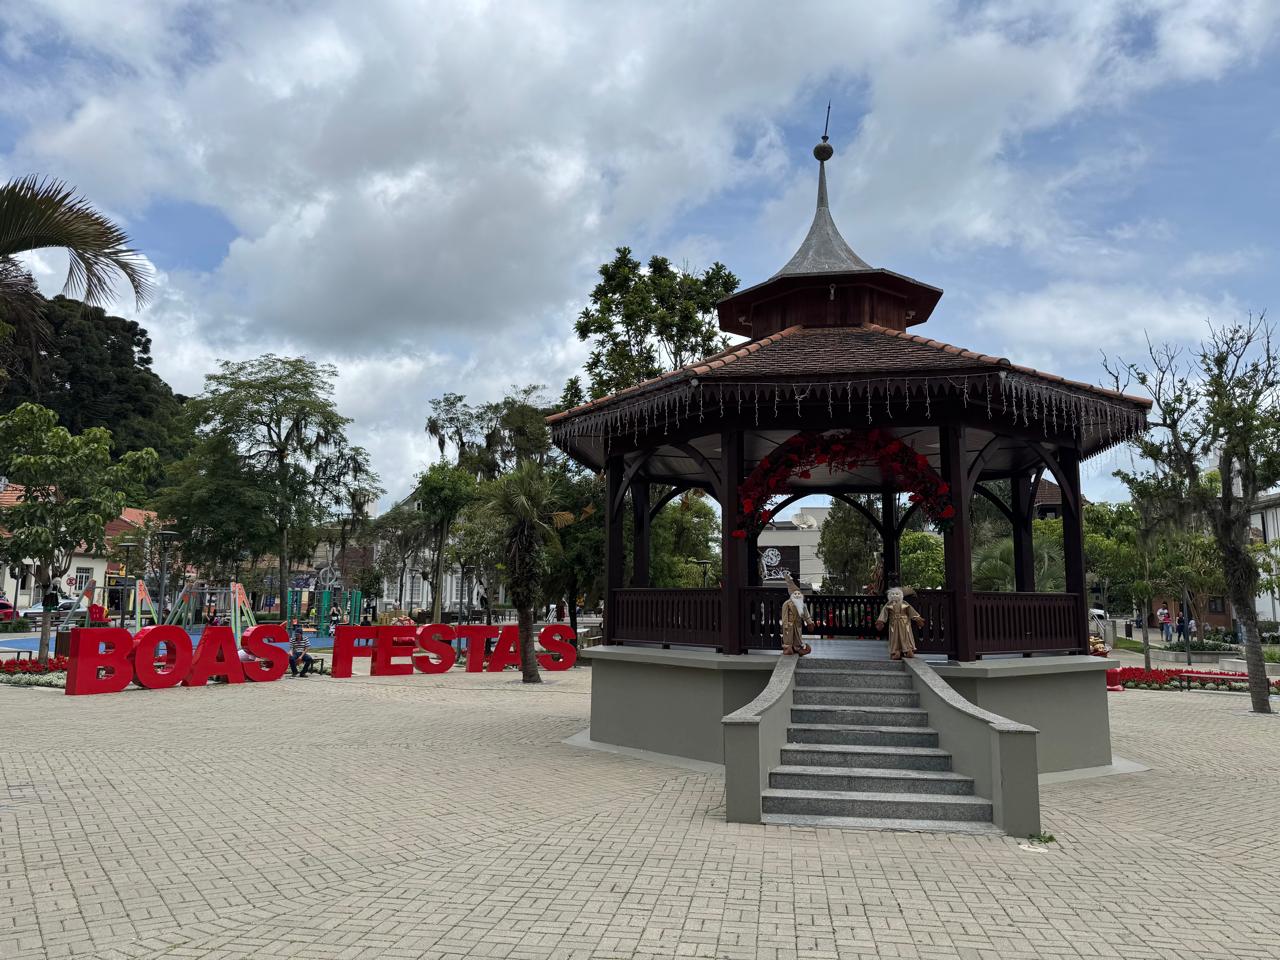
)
(901, 467)
(54, 665)
(1137, 676)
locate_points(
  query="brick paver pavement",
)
(443, 817)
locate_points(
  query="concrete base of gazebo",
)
(1004, 721)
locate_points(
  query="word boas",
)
(108, 659)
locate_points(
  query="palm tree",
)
(527, 504)
(38, 214)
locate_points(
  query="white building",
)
(791, 546)
(1265, 525)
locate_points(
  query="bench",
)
(1188, 677)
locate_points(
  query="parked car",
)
(63, 608)
(7, 611)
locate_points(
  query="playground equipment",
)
(201, 603)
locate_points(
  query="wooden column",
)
(733, 550)
(1073, 540)
(640, 533)
(613, 558)
(1023, 510)
(958, 541)
(753, 560)
(891, 561)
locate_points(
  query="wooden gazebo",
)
(831, 356)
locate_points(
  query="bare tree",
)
(1215, 410)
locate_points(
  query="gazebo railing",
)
(1026, 622)
(844, 615)
(658, 615)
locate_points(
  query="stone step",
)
(829, 663)
(882, 823)
(842, 755)
(862, 736)
(876, 716)
(888, 679)
(871, 780)
(854, 697)
(895, 806)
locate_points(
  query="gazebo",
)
(834, 392)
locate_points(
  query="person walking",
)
(1165, 621)
(298, 646)
(1193, 628)
(1182, 628)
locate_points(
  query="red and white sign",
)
(108, 659)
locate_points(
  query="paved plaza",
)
(444, 817)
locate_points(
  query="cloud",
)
(1222, 264)
(1063, 325)
(421, 192)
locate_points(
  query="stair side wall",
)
(754, 737)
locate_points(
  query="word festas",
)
(108, 659)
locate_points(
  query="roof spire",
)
(823, 250)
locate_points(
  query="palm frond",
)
(37, 214)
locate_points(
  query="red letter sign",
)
(344, 646)
(436, 639)
(555, 638)
(176, 659)
(261, 642)
(507, 652)
(393, 643)
(216, 656)
(477, 636)
(87, 659)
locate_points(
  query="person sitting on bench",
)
(299, 644)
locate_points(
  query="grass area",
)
(1133, 646)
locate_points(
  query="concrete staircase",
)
(861, 753)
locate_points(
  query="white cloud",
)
(421, 192)
(1223, 263)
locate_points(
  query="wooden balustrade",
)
(657, 615)
(839, 615)
(1027, 622)
(1005, 622)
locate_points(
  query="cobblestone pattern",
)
(443, 818)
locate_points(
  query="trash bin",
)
(62, 641)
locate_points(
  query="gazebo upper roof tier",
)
(826, 284)
(841, 365)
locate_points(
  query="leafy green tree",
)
(400, 538)
(40, 214)
(849, 547)
(442, 493)
(922, 559)
(528, 503)
(577, 568)
(71, 490)
(681, 539)
(476, 548)
(491, 438)
(94, 370)
(1216, 407)
(993, 562)
(220, 509)
(642, 322)
(278, 413)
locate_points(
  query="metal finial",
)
(824, 150)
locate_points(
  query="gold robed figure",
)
(898, 616)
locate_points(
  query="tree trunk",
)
(528, 657)
(46, 621)
(1241, 577)
(1146, 641)
(437, 579)
(284, 574)
(573, 605)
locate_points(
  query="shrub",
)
(1204, 644)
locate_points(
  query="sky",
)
(420, 192)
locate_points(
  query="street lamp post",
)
(166, 537)
(706, 567)
(128, 549)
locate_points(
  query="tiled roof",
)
(130, 517)
(825, 353)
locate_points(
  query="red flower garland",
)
(901, 467)
(31, 665)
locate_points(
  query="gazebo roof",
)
(842, 362)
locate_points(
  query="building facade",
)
(790, 548)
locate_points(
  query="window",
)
(83, 576)
(1217, 605)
